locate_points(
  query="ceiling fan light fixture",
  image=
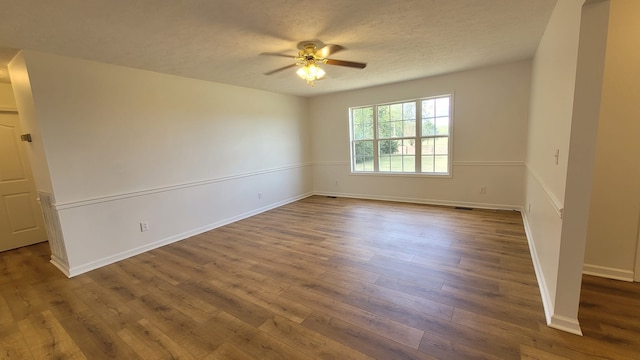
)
(310, 72)
(310, 56)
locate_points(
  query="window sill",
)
(397, 174)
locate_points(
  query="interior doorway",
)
(21, 220)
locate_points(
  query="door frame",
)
(636, 272)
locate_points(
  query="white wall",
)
(584, 128)
(489, 139)
(552, 91)
(615, 210)
(124, 146)
(565, 100)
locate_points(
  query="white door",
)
(21, 221)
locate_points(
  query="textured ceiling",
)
(221, 41)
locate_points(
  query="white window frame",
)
(418, 140)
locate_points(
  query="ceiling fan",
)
(310, 56)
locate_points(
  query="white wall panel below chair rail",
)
(487, 184)
(98, 233)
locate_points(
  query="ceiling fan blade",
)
(352, 64)
(328, 50)
(280, 69)
(278, 54)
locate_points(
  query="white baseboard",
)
(565, 324)
(553, 320)
(423, 201)
(80, 269)
(61, 265)
(607, 272)
(547, 304)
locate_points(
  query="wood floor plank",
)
(151, 343)
(320, 278)
(21, 300)
(309, 342)
(228, 351)
(244, 310)
(530, 353)
(194, 337)
(289, 309)
(47, 338)
(94, 338)
(446, 349)
(255, 342)
(362, 340)
(13, 345)
(188, 304)
(381, 326)
(110, 308)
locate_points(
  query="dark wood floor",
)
(320, 278)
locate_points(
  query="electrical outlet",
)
(529, 209)
(144, 226)
(483, 189)
(259, 196)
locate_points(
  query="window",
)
(405, 137)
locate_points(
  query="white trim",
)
(554, 321)
(636, 276)
(547, 304)
(60, 265)
(455, 163)
(423, 201)
(80, 269)
(54, 231)
(607, 272)
(565, 324)
(85, 202)
(331, 163)
(557, 205)
(489, 163)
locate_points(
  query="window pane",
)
(362, 123)
(409, 164)
(397, 155)
(383, 113)
(442, 125)
(428, 146)
(427, 163)
(441, 146)
(409, 110)
(441, 163)
(367, 114)
(409, 128)
(442, 106)
(428, 127)
(428, 108)
(363, 156)
(387, 151)
(407, 148)
(384, 164)
(397, 120)
(396, 163)
(396, 111)
(385, 129)
(396, 128)
(388, 147)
